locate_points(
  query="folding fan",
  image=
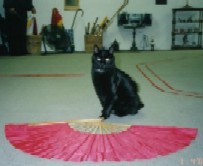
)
(95, 140)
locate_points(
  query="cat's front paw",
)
(104, 116)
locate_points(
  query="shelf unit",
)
(187, 24)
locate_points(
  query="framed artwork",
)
(161, 2)
(71, 4)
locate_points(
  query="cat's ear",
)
(111, 50)
(96, 49)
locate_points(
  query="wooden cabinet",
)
(187, 24)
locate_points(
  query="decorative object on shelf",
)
(194, 44)
(190, 19)
(187, 4)
(185, 40)
(145, 42)
(161, 2)
(152, 43)
(95, 140)
(71, 4)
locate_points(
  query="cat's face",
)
(103, 60)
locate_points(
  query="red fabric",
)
(56, 17)
(60, 141)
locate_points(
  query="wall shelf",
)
(187, 25)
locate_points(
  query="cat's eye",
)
(107, 59)
(99, 59)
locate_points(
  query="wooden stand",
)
(134, 27)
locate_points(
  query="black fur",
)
(117, 92)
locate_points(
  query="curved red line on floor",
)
(171, 89)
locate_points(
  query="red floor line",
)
(148, 79)
(160, 79)
(43, 75)
(195, 94)
(181, 92)
(172, 90)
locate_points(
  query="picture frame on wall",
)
(161, 2)
(71, 4)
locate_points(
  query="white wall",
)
(160, 29)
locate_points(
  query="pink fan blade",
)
(60, 141)
(162, 140)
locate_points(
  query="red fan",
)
(94, 140)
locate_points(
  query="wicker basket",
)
(91, 40)
(34, 44)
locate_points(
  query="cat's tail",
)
(140, 105)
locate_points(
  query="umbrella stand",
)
(70, 31)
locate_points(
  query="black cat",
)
(116, 90)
